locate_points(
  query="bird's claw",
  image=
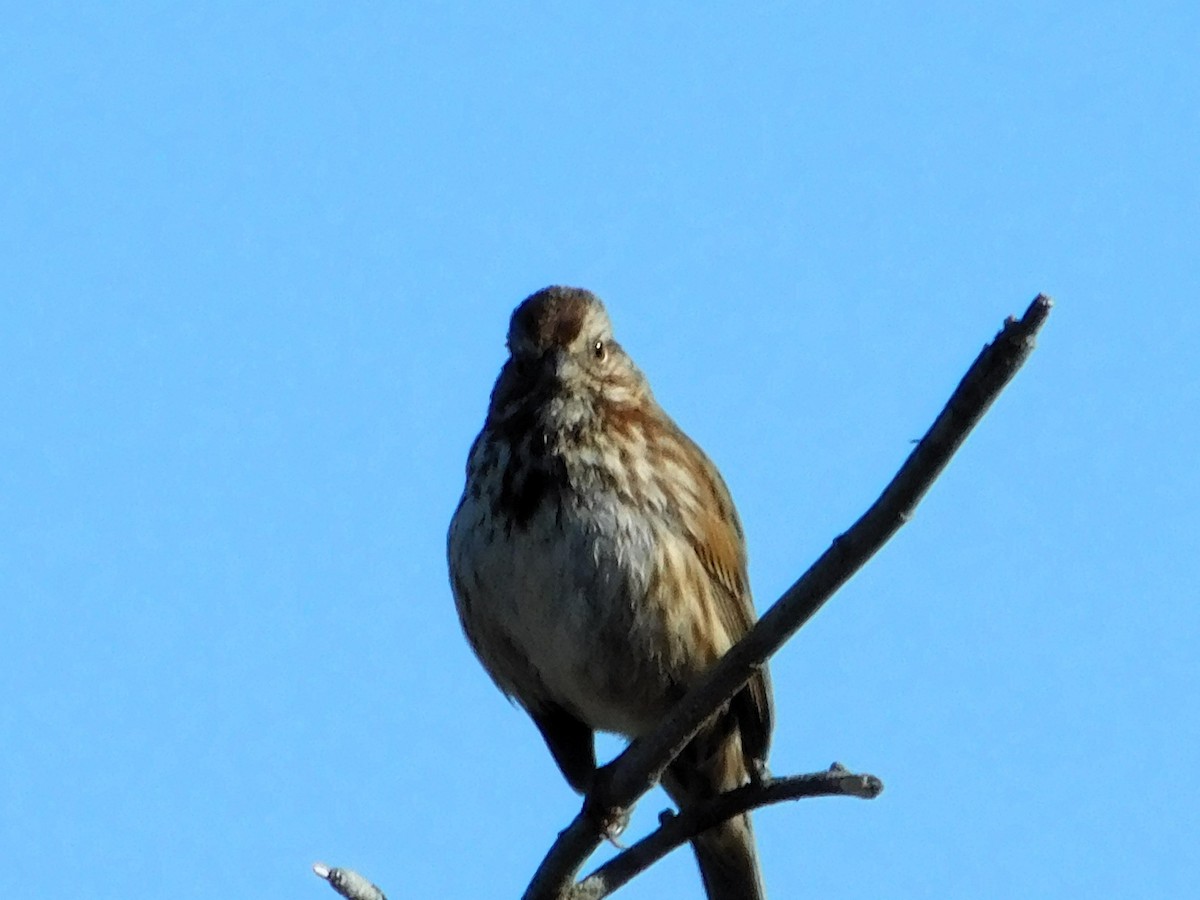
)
(611, 820)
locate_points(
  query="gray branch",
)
(348, 883)
(677, 829)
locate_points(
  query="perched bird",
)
(599, 567)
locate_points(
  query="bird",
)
(599, 568)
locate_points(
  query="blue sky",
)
(258, 264)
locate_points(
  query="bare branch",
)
(679, 828)
(635, 771)
(348, 883)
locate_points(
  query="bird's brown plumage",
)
(599, 567)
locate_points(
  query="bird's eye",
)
(599, 350)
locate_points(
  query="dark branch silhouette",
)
(677, 829)
(619, 784)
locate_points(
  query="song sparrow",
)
(599, 567)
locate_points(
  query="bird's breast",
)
(556, 568)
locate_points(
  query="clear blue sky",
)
(258, 261)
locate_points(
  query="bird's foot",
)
(610, 819)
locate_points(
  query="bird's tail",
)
(729, 861)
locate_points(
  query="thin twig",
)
(677, 829)
(348, 883)
(636, 770)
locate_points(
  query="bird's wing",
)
(716, 536)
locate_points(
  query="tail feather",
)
(729, 861)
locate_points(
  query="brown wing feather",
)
(719, 543)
